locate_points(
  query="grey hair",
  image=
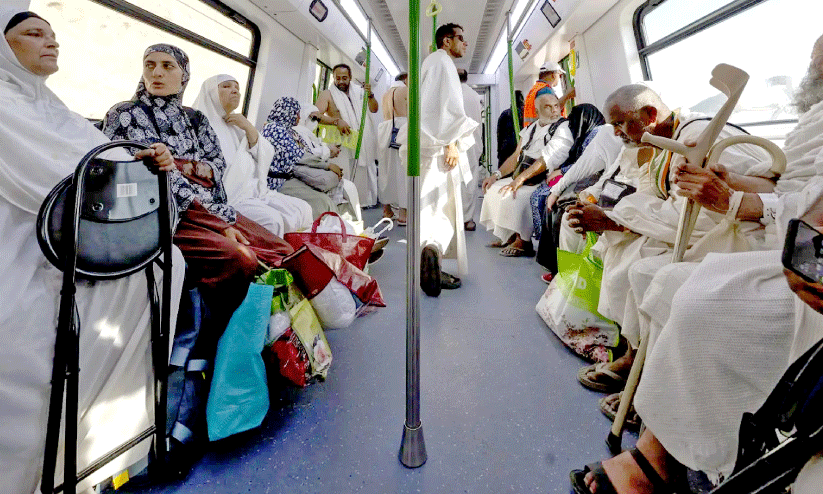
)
(810, 90)
(633, 97)
(545, 94)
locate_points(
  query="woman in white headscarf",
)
(247, 161)
(41, 142)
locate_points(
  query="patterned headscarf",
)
(289, 147)
(150, 118)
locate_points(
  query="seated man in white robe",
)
(247, 161)
(43, 142)
(653, 281)
(341, 105)
(506, 209)
(445, 136)
(473, 104)
(738, 328)
(392, 176)
(644, 224)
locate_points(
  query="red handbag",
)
(353, 248)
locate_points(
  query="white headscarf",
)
(41, 140)
(246, 169)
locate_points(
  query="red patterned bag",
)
(353, 248)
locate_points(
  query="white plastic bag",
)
(334, 306)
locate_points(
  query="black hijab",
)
(582, 120)
(20, 17)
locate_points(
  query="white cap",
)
(551, 67)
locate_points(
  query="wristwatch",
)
(497, 174)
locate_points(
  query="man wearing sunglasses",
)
(445, 136)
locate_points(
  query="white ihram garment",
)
(350, 107)
(443, 121)
(505, 215)
(732, 332)
(41, 142)
(473, 104)
(656, 282)
(392, 174)
(653, 223)
(247, 168)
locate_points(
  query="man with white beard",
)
(473, 104)
(644, 224)
(445, 136)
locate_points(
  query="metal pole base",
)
(413, 447)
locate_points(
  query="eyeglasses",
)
(458, 36)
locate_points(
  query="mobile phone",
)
(803, 251)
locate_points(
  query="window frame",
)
(147, 17)
(645, 50)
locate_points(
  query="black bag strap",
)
(393, 108)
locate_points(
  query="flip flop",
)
(606, 403)
(604, 483)
(614, 382)
(449, 282)
(677, 485)
(510, 251)
(470, 226)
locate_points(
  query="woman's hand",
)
(336, 169)
(232, 233)
(551, 201)
(160, 154)
(241, 122)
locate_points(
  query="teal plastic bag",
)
(569, 305)
(239, 395)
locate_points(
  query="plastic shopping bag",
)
(305, 325)
(239, 396)
(569, 306)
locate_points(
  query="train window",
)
(102, 44)
(680, 41)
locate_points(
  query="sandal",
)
(678, 485)
(609, 405)
(605, 380)
(449, 282)
(498, 244)
(511, 251)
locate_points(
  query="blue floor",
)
(501, 407)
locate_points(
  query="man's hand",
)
(232, 233)
(342, 126)
(488, 182)
(452, 156)
(705, 186)
(590, 218)
(367, 89)
(336, 169)
(160, 154)
(513, 186)
(334, 150)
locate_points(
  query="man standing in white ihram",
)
(445, 136)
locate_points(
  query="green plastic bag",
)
(569, 305)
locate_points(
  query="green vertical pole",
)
(363, 113)
(412, 446)
(511, 74)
